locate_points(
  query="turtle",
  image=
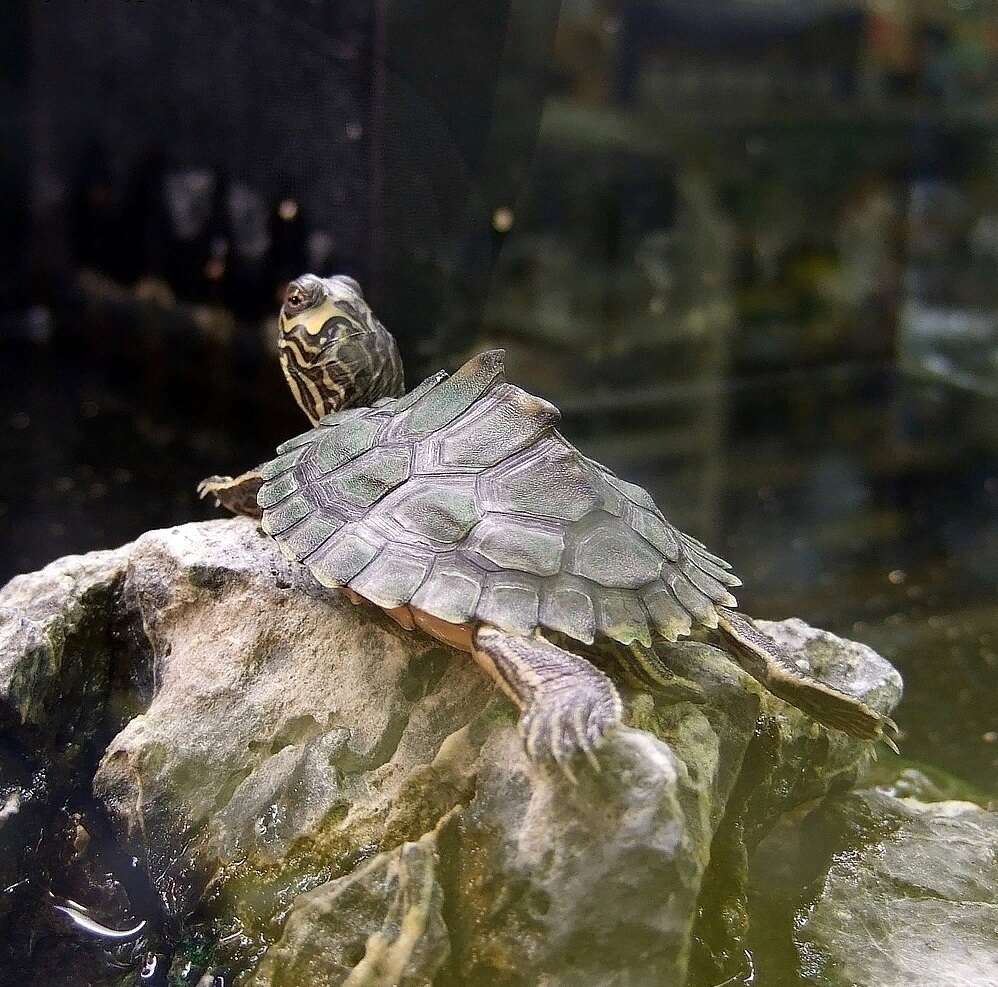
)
(460, 510)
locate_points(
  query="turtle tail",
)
(775, 668)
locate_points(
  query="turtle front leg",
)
(234, 494)
(568, 704)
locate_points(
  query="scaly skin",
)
(237, 494)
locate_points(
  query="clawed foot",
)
(562, 732)
(568, 704)
(214, 485)
(889, 734)
(236, 494)
(856, 718)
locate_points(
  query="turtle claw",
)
(561, 758)
(235, 494)
(211, 484)
(889, 734)
(582, 739)
(560, 736)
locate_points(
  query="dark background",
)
(749, 247)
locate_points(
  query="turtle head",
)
(334, 352)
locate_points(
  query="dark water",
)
(853, 497)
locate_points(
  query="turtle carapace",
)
(460, 510)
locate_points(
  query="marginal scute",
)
(695, 546)
(611, 554)
(708, 585)
(510, 420)
(622, 617)
(656, 532)
(273, 492)
(521, 544)
(281, 464)
(569, 610)
(441, 404)
(723, 576)
(366, 479)
(671, 620)
(341, 557)
(611, 499)
(304, 538)
(449, 593)
(510, 602)
(443, 511)
(278, 519)
(697, 603)
(391, 578)
(551, 480)
(339, 445)
(299, 440)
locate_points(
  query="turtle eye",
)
(295, 299)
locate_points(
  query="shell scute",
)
(569, 609)
(450, 593)
(392, 576)
(283, 463)
(338, 444)
(510, 420)
(656, 532)
(708, 585)
(622, 617)
(635, 494)
(366, 479)
(518, 543)
(273, 492)
(546, 481)
(511, 602)
(440, 510)
(441, 404)
(304, 538)
(304, 439)
(693, 600)
(671, 619)
(278, 519)
(611, 554)
(342, 556)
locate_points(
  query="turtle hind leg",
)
(235, 494)
(568, 705)
(776, 669)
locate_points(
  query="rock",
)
(381, 924)
(315, 796)
(790, 762)
(911, 898)
(54, 651)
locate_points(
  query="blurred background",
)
(750, 247)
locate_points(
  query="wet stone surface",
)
(289, 789)
(911, 899)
